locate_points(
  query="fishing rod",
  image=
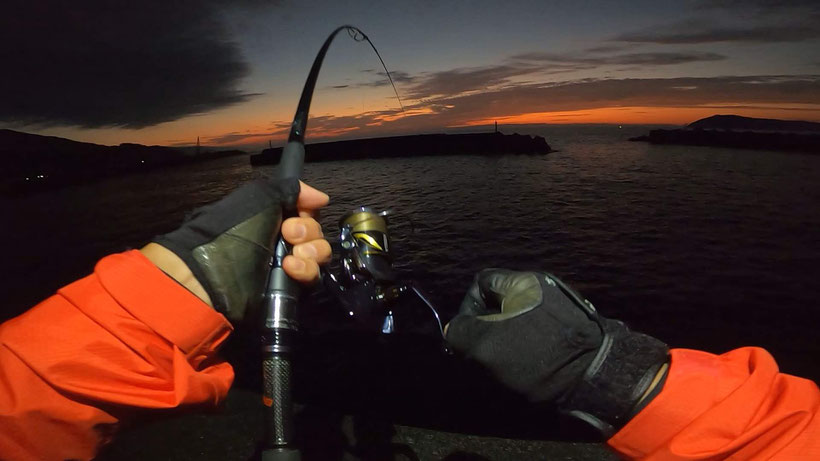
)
(282, 293)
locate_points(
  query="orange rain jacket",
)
(128, 338)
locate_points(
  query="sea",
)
(703, 248)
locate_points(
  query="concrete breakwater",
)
(415, 145)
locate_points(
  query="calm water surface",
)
(704, 248)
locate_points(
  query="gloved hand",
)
(541, 339)
(227, 245)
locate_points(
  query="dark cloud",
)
(640, 59)
(235, 138)
(383, 122)
(753, 21)
(457, 81)
(277, 130)
(103, 63)
(463, 80)
(398, 76)
(606, 48)
(760, 6)
(680, 34)
(452, 81)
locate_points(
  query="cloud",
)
(751, 21)
(457, 81)
(97, 63)
(641, 59)
(601, 93)
(398, 76)
(235, 138)
(760, 6)
(453, 81)
(319, 127)
(462, 80)
(606, 48)
(682, 33)
(533, 65)
(433, 113)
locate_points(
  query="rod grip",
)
(276, 369)
(292, 161)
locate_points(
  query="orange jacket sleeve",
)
(125, 338)
(736, 406)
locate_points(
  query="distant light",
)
(142, 161)
(351, 313)
(27, 179)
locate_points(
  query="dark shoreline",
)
(793, 142)
(36, 163)
(415, 145)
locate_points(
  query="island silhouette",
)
(742, 132)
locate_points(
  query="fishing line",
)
(359, 36)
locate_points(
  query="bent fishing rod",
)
(282, 293)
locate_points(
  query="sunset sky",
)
(158, 72)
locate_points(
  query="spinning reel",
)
(367, 285)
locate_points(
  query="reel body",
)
(367, 285)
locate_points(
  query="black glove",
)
(543, 340)
(228, 244)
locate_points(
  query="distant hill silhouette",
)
(32, 161)
(743, 133)
(738, 123)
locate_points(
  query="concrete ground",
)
(232, 434)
